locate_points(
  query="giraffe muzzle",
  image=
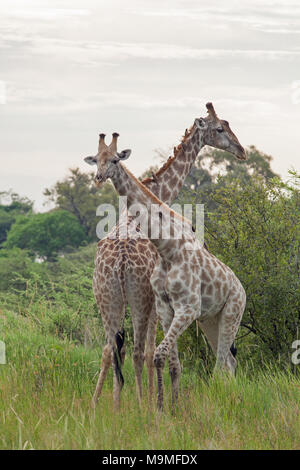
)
(98, 180)
(240, 152)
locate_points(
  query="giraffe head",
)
(107, 158)
(217, 133)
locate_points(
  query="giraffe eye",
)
(220, 129)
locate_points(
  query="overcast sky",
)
(145, 69)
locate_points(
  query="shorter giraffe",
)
(188, 281)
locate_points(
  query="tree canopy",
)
(78, 194)
(212, 163)
(46, 234)
(11, 206)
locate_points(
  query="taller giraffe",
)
(123, 267)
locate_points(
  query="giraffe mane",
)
(154, 198)
(171, 159)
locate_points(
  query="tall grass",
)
(47, 384)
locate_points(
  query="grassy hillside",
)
(47, 384)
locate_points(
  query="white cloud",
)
(254, 102)
(71, 67)
(275, 17)
(49, 13)
(92, 52)
(279, 30)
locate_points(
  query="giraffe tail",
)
(117, 356)
(121, 273)
(233, 350)
(120, 335)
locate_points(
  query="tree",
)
(256, 231)
(46, 234)
(79, 195)
(149, 172)
(6, 221)
(11, 205)
(203, 177)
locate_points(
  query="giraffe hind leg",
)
(105, 364)
(210, 328)
(113, 353)
(111, 305)
(140, 317)
(229, 322)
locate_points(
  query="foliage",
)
(79, 195)
(12, 202)
(46, 234)
(149, 172)
(56, 295)
(256, 231)
(15, 268)
(6, 221)
(203, 177)
(11, 205)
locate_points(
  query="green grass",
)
(47, 384)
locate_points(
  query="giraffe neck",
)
(126, 184)
(168, 181)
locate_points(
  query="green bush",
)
(46, 234)
(15, 269)
(11, 206)
(255, 230)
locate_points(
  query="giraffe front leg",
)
(149, 353)
(160, 357)
(165, 316)
(165, 313)
(175, 372)
(184, 315)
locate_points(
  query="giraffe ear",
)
(200, 123)
(124, 154)
(90, 160)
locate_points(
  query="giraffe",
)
(123, 268)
